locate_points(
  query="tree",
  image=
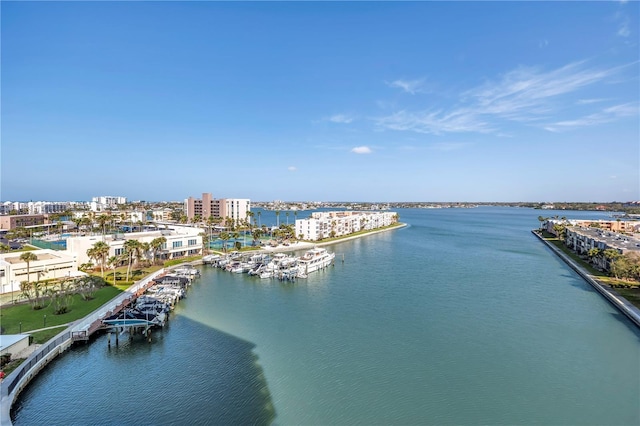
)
(61, 297)
(287, 215)
(113, 262)
(4, 248)
(259, 215)
(205, 241)
(278, 218)
(28, 257)
(131, 247)
(99, 253)
(560, 231)
(224, 236)
(102, 220)
(156, 245)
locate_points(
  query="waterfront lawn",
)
(12, 316)
(174, 262)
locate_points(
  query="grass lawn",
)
(12, 316)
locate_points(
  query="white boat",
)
(314, 259)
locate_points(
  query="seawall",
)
(622, 304)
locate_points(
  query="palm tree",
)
(287, 215)
(130, 248)
(102, 220)
(156, 245)
(100, 253)
(278, 218)
(259, 215)
(28, 257)
(113, 263)
(224, 236)
(4, 248)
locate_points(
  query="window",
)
(192, 242)
(119, 251)
(177, 244)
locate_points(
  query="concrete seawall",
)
(622, 304)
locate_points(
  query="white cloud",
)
(589, 101)
(543, 43)
(409, 86)
(607, 115)
(449, 146)
(525, 94)
(623, 29)
(341, 118)
(292, 168)
(361, 150)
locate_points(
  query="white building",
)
(181, 242)
(51, 264)
(106, 202)
(338, 223)
(46, 207)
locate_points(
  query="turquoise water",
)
(463, 317)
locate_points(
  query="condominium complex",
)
(207, 206)
(21, 220)
(338, 223)
(181, 241)
(106, 202)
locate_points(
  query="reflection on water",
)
(189, 373)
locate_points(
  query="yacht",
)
(314, 259)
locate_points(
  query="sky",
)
(321, 101)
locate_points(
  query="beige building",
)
(234, 208)
(21, 220)
(50, 264)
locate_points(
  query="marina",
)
(281, 266)
(451, 320)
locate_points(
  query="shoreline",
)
(306, 245)
(619, 302)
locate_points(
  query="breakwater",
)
(616, 300)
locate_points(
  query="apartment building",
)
(21, 220)
(207, 206)
(181, 241)
(338, 223)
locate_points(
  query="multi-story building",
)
(207, 206)
(46, 207)
(106, 202)
(582, 239)
(21, 220)
(50, 264)
(338, 223)
(161, 215)
(181, 241)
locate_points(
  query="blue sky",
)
(360, 101)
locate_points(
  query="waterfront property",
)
(47, 265)
(207, 206)
(181, 241)
(340, 223)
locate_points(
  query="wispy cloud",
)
(543, 43)
(361, 150)
(435, 122)
(292, 168)
(607, 115)
(589, 101)
(409, 86)
(341, 118)
(449, 146)
(525, 94)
